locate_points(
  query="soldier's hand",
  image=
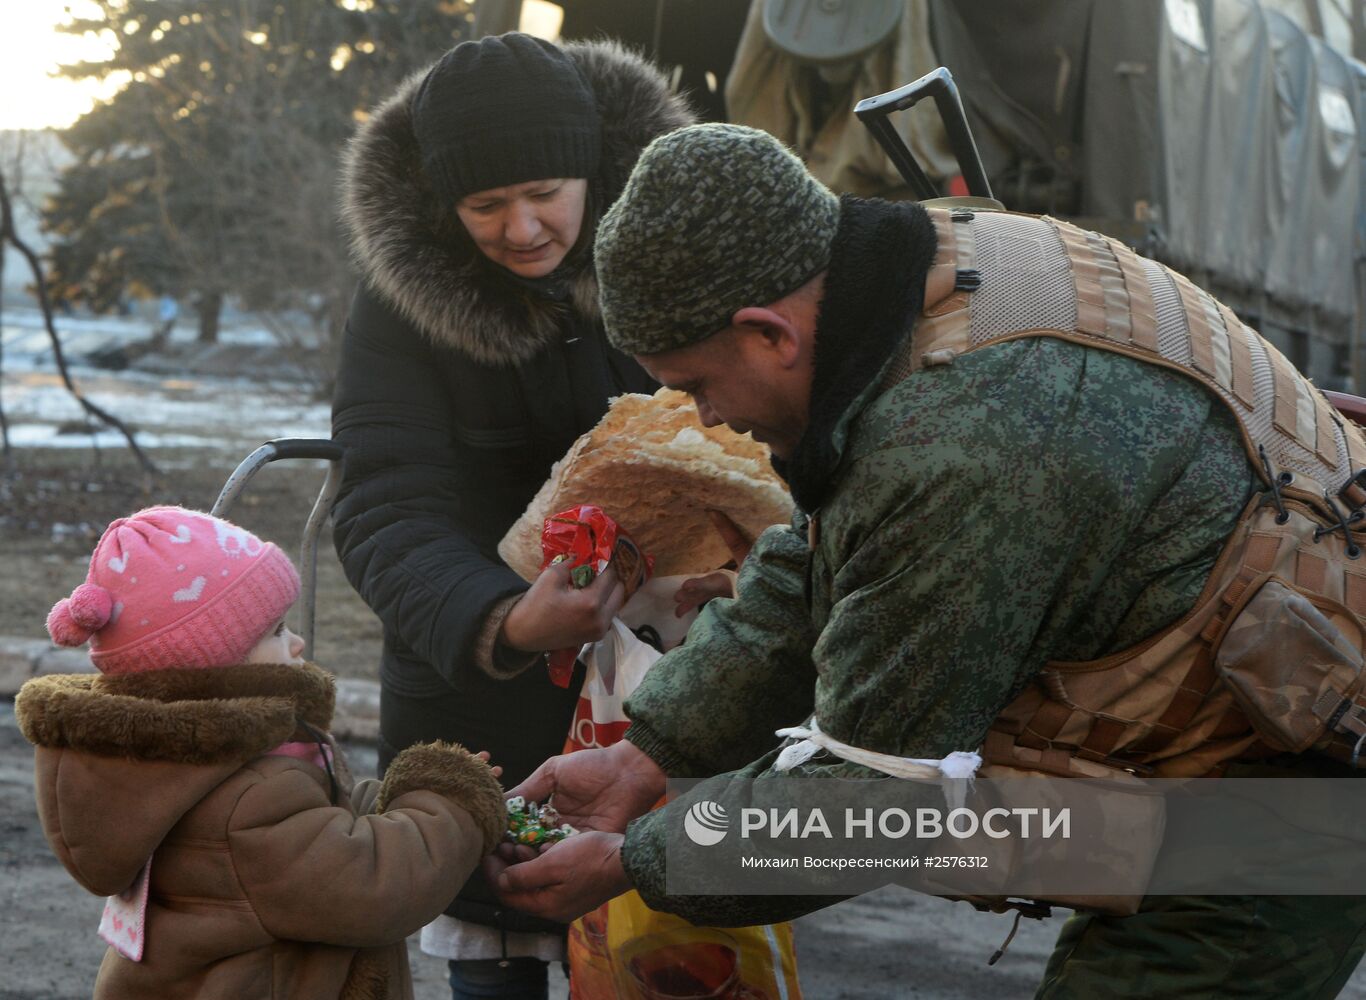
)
(597, 789)
(566, 880)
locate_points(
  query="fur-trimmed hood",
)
(444, 286)
(151, 745)
(198, 716)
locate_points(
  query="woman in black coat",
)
(473, 357)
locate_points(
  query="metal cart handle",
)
(873, 112)
(290, 448)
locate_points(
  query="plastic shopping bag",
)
(616, 665)
(624, 950)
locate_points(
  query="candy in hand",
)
(533, 825)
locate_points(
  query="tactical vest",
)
(1269, 659)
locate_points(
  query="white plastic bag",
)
(617, 663)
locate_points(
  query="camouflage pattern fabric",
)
(675, 254)
(1281, 947)
(1195, 947)
(1035, 500)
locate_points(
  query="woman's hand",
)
(554, 614)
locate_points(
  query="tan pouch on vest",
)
(1293, 664)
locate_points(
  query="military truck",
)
(1218, 136)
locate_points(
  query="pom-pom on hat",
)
(504, 110)
(169, 587)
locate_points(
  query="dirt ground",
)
(56, 502)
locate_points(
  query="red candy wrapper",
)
(589, 540)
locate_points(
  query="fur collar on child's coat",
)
(199, 716)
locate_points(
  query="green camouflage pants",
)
(1243, 947)
(1225, 947)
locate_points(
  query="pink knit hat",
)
(170, 587)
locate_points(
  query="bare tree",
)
(9, 234)
(6, 226)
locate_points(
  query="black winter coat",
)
(459, 386)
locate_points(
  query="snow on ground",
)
(189, 411)
(28, 320)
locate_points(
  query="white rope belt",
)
(959, 765)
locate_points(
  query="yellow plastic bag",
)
(626, 951)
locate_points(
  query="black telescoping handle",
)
(873, 112)
(274, 451)
(306, 448)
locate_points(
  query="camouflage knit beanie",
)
(714, 218)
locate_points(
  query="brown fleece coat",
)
(261, 887)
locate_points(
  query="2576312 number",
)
(953, 861)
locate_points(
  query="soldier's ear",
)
(778, 331)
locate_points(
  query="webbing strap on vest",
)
(1159, 707)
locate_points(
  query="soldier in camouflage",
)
(956, 528)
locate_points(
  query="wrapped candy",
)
(534, 825)
(588, 540)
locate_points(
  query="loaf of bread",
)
(656, 471)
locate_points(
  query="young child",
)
(192, 782)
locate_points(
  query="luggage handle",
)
(938, 83)
(294, 448)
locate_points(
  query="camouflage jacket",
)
(1034, 500)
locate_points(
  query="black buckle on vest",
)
(1276, 480)
(967, 279)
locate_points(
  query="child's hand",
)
(496, 769)
(698, 590)
(731, 533)
(515, 854)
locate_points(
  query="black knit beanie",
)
(504, 110)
